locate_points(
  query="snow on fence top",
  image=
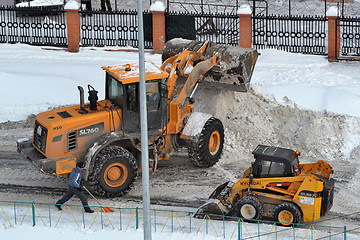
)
(332, 11)
(244, 9)
(157, 6)
(40, 3)
(72, 5)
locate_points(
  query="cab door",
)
(156, 100)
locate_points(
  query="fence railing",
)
(218, 28)
(33, 26)
(349, 30)
(309, 35)
(117, 28)
(163, 221)
(292, 34)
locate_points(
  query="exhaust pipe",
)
(82, 101)
(92, 97)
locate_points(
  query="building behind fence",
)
(336, 36)
(163, 221)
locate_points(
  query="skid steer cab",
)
(105, 134)
(276, 186)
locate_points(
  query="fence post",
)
(333, 34)
(158, 18)
(73, 25)
(33, 214)
(345, 233)
(245, 26)
(137, 218)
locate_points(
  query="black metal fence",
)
(299, 34)
(117, 28)
(303, 7)
(33, 26)
(292, 34)
(201, 7)
(218, 28)
(349, 38)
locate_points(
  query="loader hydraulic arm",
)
(182, 65)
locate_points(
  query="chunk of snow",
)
(72, 5)
(332, 11)
(157, 6)
(244, 9)
(188, 69)
(196, 122)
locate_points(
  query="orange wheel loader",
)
(105, 134)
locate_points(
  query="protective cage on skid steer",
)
(327, 196)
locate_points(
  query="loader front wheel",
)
(114, 173)
(249, 207)
(208, 150)
(286, 213)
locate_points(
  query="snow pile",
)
(286, 88)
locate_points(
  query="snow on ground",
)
(310, 81)
(34, 79)
(42, 233)
(55, 224)
(286, 88)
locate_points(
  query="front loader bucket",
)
(233, 69)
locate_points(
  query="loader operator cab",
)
(122, 89)
(275, 162)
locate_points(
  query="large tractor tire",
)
(249, 207)
(115, 172)
(287, 213)
(208, 150)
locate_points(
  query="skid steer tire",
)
(286, 213)
(249, 207)
(115, 172)
(208, 150)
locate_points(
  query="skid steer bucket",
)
(233, 69)
(215, 205)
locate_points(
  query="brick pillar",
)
(245, 31)
(73, 29)
(333, 39)
(159, 39)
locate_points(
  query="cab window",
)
(132, 97)
(115, 91)
(271, 169)
(152, 96)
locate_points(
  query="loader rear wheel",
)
(115, 172)
(208, 150)
(249, 207)
(286, 213)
